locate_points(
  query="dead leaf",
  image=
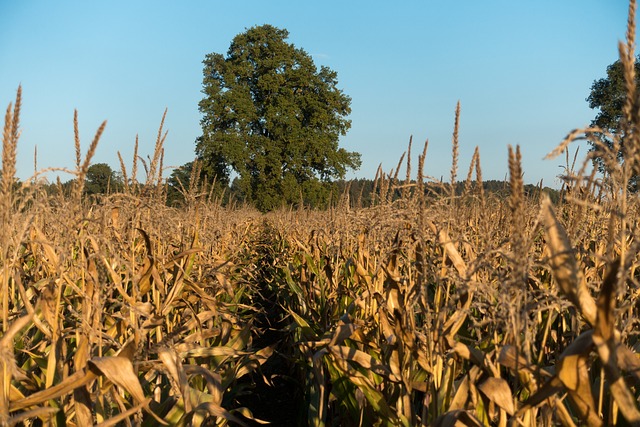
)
(573, 371)
(119, 370)
(498, 391)
(70, 383)
(564, 265)
(363, 359)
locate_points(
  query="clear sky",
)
(521, 69)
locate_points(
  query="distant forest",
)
(102, 180)
(361, 191)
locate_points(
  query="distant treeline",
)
(361, 191)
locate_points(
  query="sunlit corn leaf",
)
(548, 389)
(450, 250)
(461, 396)
(342, 332)
(245, 412)
(241, 339)
(194, 350)
(219, 412)
(564, 265)
(42, 413)
(387, 330)
(499, 392)
(477, 357)
(123, 416)
(605, 321)
(173, 365)
(119, 370)
(574, 373)
(364, 360)
(307, 332)
(81, 395)
(67, 385)
(255, 360)
(51, 257)
(455, 321)
(629, 362)
(604, 337)
(508, 358)
(569, 376)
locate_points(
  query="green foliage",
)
(101, 179)
(274, 119)
(179, 183)
(608, 96)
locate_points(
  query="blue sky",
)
(521, 70)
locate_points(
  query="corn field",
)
(428, 307)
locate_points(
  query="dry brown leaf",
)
(498, 391)
(605, 322)
(342, 332)
(625, 400)
(6, 342)
(564, 265)
(455, 322)
(258, 358)
(462, 395)
(393, 298)
(363, 359)
(82, 405)
(38, 236)
(580, 347)
(509, 358)
(562, 413)
(119, 370)
(218, 411)
(629, 362)
(67, 385)
(474, 355)
(197, 351)
(573, 372)
(81, 396)
(604, 338)
(124, 415)
(174, 366)
(550, 388)
(569, 370)
(33, 413)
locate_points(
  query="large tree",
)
(101, 179)
(608, 96)
(272, 118)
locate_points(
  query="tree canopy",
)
(101, 179)
(272, 119)
(608, 96)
